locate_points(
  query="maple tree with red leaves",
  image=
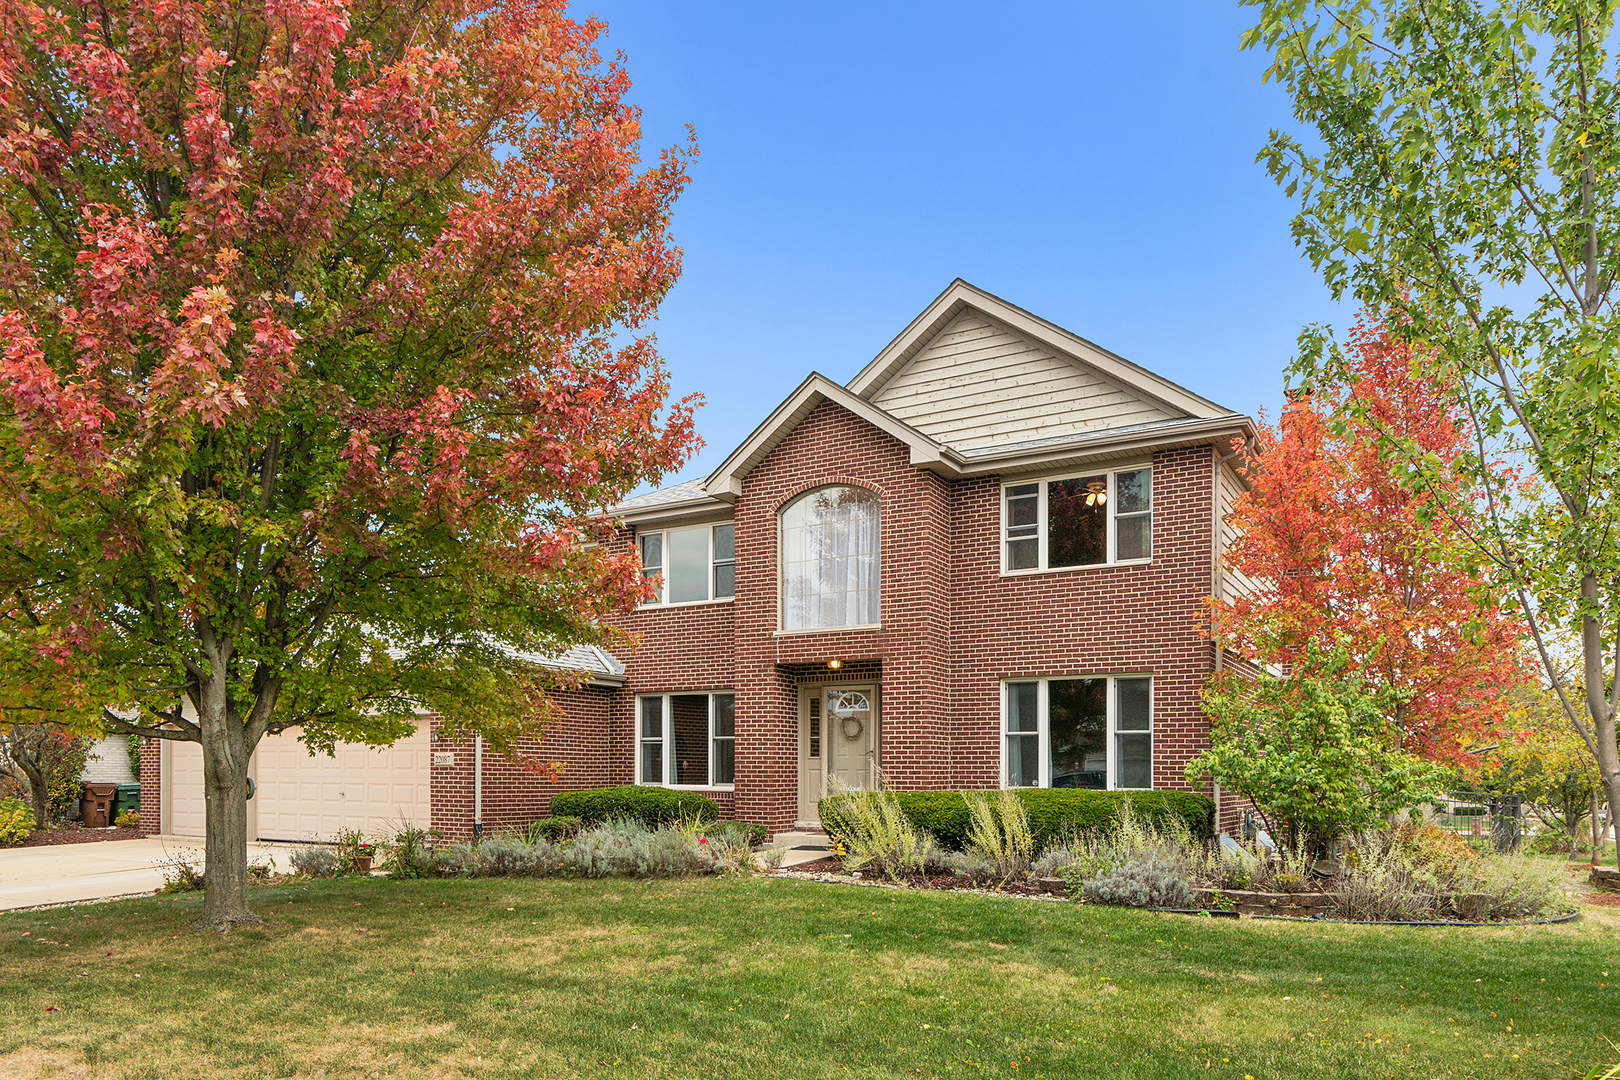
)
(1343, 552)
(324, 330)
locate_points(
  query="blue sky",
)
(1091, 162)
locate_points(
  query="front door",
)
(838, 745)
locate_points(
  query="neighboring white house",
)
(108, 762)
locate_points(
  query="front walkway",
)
(70, 873)
(803, 847)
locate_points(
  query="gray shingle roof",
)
(690, 489)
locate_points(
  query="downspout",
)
(478, 787)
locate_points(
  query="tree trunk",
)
(225, 755)
(1597, 835)
(1611, 784)
(39, 788)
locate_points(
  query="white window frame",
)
(667, 739)
(1041, 532)
(662, 599)
(1043, 731)
(781, 571)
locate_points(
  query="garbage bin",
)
(95, 809)
(129, 798)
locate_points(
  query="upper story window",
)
(688, 566)
(1077, 520)
(830, 544)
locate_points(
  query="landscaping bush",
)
(651, 806)
(1000, 833)
(16, 822)
(556, 829)
(1153, 881)
(625, 847)
(1053, 812)
(128, 819)
(878, 836)
(314, 861)
(740, 833)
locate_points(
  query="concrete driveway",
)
(69, 873)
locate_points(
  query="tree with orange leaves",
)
(1346, 553)
(324, 349)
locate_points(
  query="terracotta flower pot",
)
(361, 864)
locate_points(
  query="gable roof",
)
(1157, 413)
(960, 297)
(726, 481)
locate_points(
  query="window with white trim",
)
(1077, 520)
(686, 740)
(689, 566)
(1078, 733)
(831, 546)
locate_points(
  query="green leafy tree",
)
(1316, 752)
(48, 759)
(1545, 762)
(1459, 173)
(325, 344)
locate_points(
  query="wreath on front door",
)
(860, 727)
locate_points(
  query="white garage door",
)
(300, 797)
(182, 789)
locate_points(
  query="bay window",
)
(831, 541)
(1078, 732)
(689, 566)
(1077, 520)
(686, 740)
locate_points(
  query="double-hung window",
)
(688, 566)
(1078, 733)
(1077, 520)
(686, 740)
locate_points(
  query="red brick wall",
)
(1111, 620)
(515, 795)
(952, 628)
(151, 780)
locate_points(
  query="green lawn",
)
(765, 978)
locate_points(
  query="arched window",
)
(830, 543)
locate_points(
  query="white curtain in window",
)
(830, 544)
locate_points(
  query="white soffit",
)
(960, 297)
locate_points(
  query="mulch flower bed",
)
(831, 869)
(52, 837)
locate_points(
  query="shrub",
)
(456, 860)
(501, 856)
(1054, 813)
(555, 829)
(409, 852)
(128, 819)
(1000, 834)
(648, 805)
(313, 861)
(878, 836)
(183, 873)
(627, 847)
(737, 833)
(1315, 752)
(16, 822)
(1152, 881)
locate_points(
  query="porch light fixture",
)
(834, 665)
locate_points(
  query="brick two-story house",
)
(981, 562)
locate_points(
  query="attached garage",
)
(302, 797)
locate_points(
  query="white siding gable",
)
(1233, 583)
(979, 384)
